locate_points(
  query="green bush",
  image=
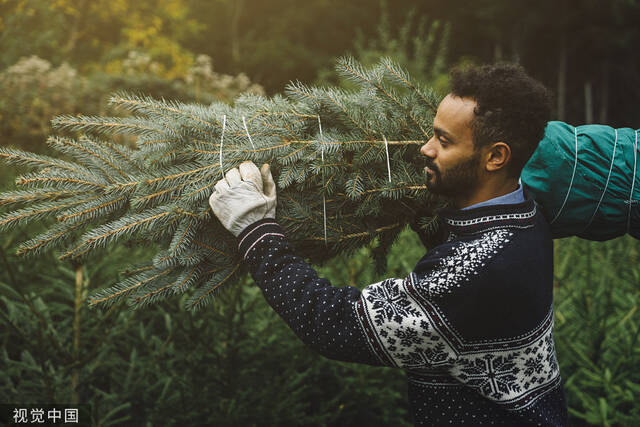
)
(235, 363)
(35, 91)
(597, 329)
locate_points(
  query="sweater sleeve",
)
(380, 325)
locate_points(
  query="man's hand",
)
(245, 195)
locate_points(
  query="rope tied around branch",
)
(324, 199)
(224, 126)
(244, 122)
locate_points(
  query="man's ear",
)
(498, 156)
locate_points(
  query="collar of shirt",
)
(491, 215)
(516, 196)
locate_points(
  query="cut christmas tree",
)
(346, 165)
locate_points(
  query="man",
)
(472, 325)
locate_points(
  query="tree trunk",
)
(79, 297)
(562, 80)
(562, 64)
(604, 95)
(236, 12)
(588, 103)
(497, 52)
(515, 50)
(77, 28)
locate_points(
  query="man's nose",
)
(428, 149)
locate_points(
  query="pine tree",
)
(346, 165)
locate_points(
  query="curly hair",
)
(512, 107)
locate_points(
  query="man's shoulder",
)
(467, 252)
(509, 228)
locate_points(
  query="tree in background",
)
(35, 91)
(419, 45)
(582, 49)
(88, 34)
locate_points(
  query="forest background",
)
(236, 362)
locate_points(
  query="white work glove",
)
(245, 195)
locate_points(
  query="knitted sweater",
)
(472, 325)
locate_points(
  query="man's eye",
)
(443, 141)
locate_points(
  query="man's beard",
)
(459, 180)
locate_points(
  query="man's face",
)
(453, 166)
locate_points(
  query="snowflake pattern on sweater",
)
(473, 321)
(466, 260)
(412, 334)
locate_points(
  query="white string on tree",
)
(244, 122)
(324, 200)
(386, 147)
(224, 125)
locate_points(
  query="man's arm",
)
(323, 316)
(382, 325)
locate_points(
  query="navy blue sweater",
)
(472, 325)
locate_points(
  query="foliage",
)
(597, 329)
(269, 40)
(224, 87)
(99, 31)
(370, 182)
(35, 91)
(419, 45)
(234, 364)
(278, 41)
